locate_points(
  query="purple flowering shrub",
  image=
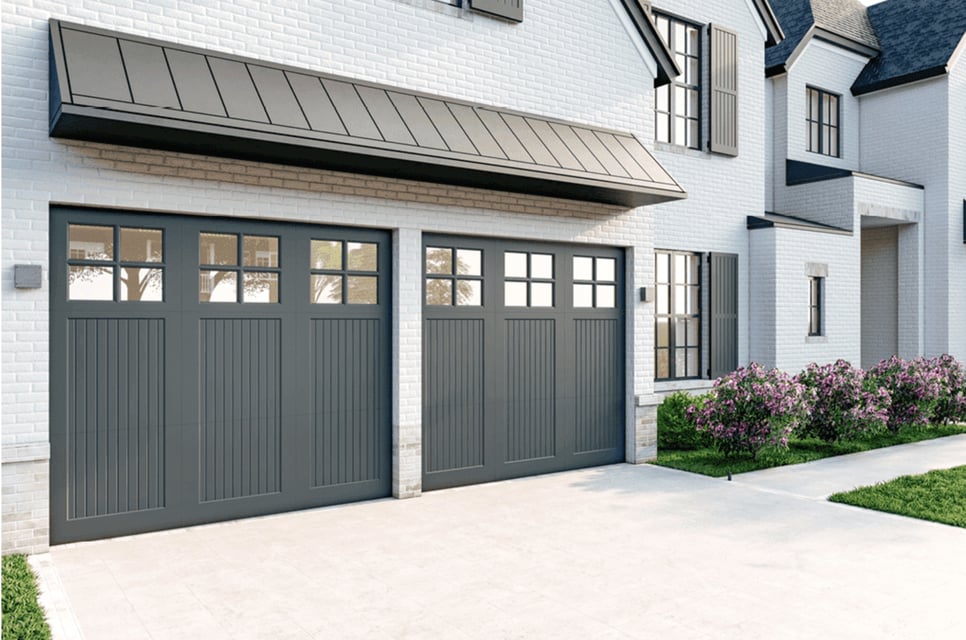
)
(751, 409)
(845, 403)
(951, 404)
(915, 387)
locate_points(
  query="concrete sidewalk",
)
(613, 552)
(822, 478)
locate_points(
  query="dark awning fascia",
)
(798, 172)
(93, 118)
(783, 221)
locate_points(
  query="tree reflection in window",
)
(93, 263)
(344, 272)
(454, 276)
(222, 277)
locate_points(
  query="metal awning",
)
(123, 89)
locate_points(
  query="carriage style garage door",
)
(523, 359)
(204, 369)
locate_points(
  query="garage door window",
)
(223, 278)
(529, 279)
(595, 282)
(454, 276)
(344, 272)
(111, 263)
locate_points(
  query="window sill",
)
(693, 384)
(678, 149)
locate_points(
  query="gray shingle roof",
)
(918, 39)
(845, 18)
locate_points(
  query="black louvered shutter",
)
(509, 9)
(724, 313)
(724, 91)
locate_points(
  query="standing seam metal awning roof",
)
(116, 88)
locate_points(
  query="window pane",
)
(260, 287)
(583, 295)
(662, 98)
(439, 260)
(663, 332)
(362, 289)
(606, 269)
(362, 256)
(663, 266)
(693, 295)
(692, 45)
(439, 291)
(663, 127)
(515, 294)
(141, 245)
(679, 36)
(469, 262)
(680, 101)
(139, 284)
(833, 146)
(680, 299)
(326, 254)
(90, 283)
(664, 28)
(680, 129)
(541, 266)
(826, 140)
(515, 265)
(693, 264)
(541, 294)
(680, 363)
(680, 268)
(692, 362)
(90, 243)
(663, 364)
(694, 339)
(469, 293)
(814, 326)
(583, 268)
(812, 104)
(813, 130)
(261, 251)
(680, 332)
(692, 106)
(693, 140)
(606, 294)
(326, 289)
(218, 286)
(664, 299)
(218, 248)
(833, 111)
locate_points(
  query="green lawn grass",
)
(23, 619)
(939, 496)
(710, 462)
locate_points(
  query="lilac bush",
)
(914, 386)
(951, 404)
(845, 404)
(750, 409)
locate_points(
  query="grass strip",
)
(23, 619)
(939, 496)
(710, 462)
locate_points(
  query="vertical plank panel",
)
(530, 389)
(599, 388)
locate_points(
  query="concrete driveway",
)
(611, 552)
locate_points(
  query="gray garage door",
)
(523, 359)
(205, 369)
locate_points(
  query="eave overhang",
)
(124, 89)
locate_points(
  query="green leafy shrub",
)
(752, 409)
(845, 404)
(23, 619)
(676, 429)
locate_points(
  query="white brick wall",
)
(722, 191)
(570, 59)
(781, 259)
(957, 202)
(907, 133)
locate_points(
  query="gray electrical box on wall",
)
(28, 276)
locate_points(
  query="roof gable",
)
(844, 22)
(918, 39)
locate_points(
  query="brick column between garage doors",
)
(407, 333)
